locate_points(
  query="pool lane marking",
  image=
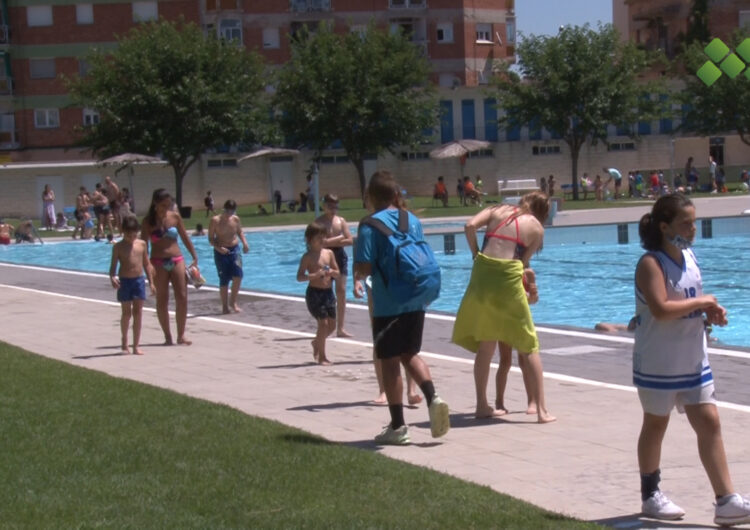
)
(433, 316)
(438, 356)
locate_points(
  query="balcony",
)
(309, 6)
(9, 140)
(407, 4)
(6, 86)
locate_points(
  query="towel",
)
(495, 307)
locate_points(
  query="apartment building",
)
(42, 42)
(663, 25)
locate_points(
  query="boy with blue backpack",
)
(405, 279)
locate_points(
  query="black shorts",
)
(398, 334)
(342, 260)
(321, 303)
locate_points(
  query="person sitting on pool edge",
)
(5, 231)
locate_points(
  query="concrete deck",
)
(259, 362)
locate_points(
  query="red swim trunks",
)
(4, 240)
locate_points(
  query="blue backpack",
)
(410, 271)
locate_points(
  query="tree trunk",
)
(359, 163)
(575, 150)
(179, 175)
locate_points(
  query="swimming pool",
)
(584, 275)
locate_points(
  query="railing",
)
(306, 6)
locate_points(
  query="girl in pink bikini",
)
(495, 308)
(160, 229)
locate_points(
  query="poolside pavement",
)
(259, 362)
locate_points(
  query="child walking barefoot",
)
(132, 255)
(670, 362)
(318, 267)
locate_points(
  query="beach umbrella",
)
(459, 149)
(126, 161)
(267, 152)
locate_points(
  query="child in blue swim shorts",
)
(132, 255)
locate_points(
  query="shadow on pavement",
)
(638, 521)
(339, 405)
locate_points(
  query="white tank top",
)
(671, 354)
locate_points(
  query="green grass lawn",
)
(81, 449)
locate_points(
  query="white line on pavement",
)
(437, 356)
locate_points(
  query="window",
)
(484, 33)
(83, 67)
(231, 29)
(510, 31)
(39, 16)
(359, 29)
(84, 14)
(445, 32)
(271, 38)
(545, 150)
(42, 68)
(46, 118)
(145, 11)
(221, 162)
(90, 117)
(412, 155)
(621, 146)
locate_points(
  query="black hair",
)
(664, 211)
(230, 205)
(159, 195)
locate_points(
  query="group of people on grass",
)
(467, 192)
(670, 364)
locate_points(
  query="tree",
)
(371, 91)
(169, 89)
(575, 85)
(720, 107)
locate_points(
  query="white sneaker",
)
(440, 420)
(735, 511)
(659, 506)
(391, 436)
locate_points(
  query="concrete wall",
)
(250, 182)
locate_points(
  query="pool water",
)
(579, 284)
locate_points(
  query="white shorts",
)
(661, 402)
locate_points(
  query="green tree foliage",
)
(576, 84)
(168, 89)
(370, 91)
(719, 108)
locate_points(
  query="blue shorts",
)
(228, 265)
(131, 289)
(321, 303)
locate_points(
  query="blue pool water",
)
(581, 279)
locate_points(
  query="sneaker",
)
(735, 511)
(440, 420)
(391, 436)
(659, 506)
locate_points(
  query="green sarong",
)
(495, 307)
